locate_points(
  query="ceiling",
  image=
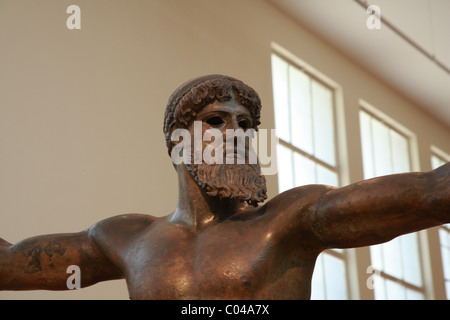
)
(411, 50)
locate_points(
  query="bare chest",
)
(220, 263)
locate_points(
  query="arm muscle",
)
(41, 262)
(379, 209)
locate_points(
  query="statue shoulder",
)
(292, 214)
(120, 228)
(307, 195)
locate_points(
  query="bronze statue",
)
(220, 242)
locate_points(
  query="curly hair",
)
(192, 96)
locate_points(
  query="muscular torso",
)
(255, 255)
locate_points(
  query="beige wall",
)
(81, 111)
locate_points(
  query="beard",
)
(243, 182)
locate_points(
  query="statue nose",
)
(234, 124)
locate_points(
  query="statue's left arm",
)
(377, 210)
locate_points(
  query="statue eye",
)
(243, 124)
(215, 121)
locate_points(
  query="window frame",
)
(422, 242)
(340, 167)
(442, 158)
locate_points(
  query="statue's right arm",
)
(41, 262)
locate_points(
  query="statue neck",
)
(195, 208)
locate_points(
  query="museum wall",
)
(81, 111)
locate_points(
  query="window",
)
(304, 120)
(386, 148)
(306, 151)
(444, 238)
(439, 158)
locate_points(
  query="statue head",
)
(237, 181)
(192, 96)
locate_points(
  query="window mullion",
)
(306, 154)
(401, 282)
(289, 108)
(313, 140)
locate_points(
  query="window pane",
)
(304, 170)
(335, 280)
(326, 176)
(392, 261)
(443, 237)
(445, 251)
(379, 284)
(414, 295)
(381, 149)
(410, 256)
(280, 96)
(300, 102)
(376, 256)
(318, 281)
(436, 162)
(285, 172)
(367, 147)
(400, 153)
(447, 288)
(323, 124)
(394, 290)
(446, 263)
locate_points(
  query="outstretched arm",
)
(380, 209)
(41, 262)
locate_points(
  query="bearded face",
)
(237, 176)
